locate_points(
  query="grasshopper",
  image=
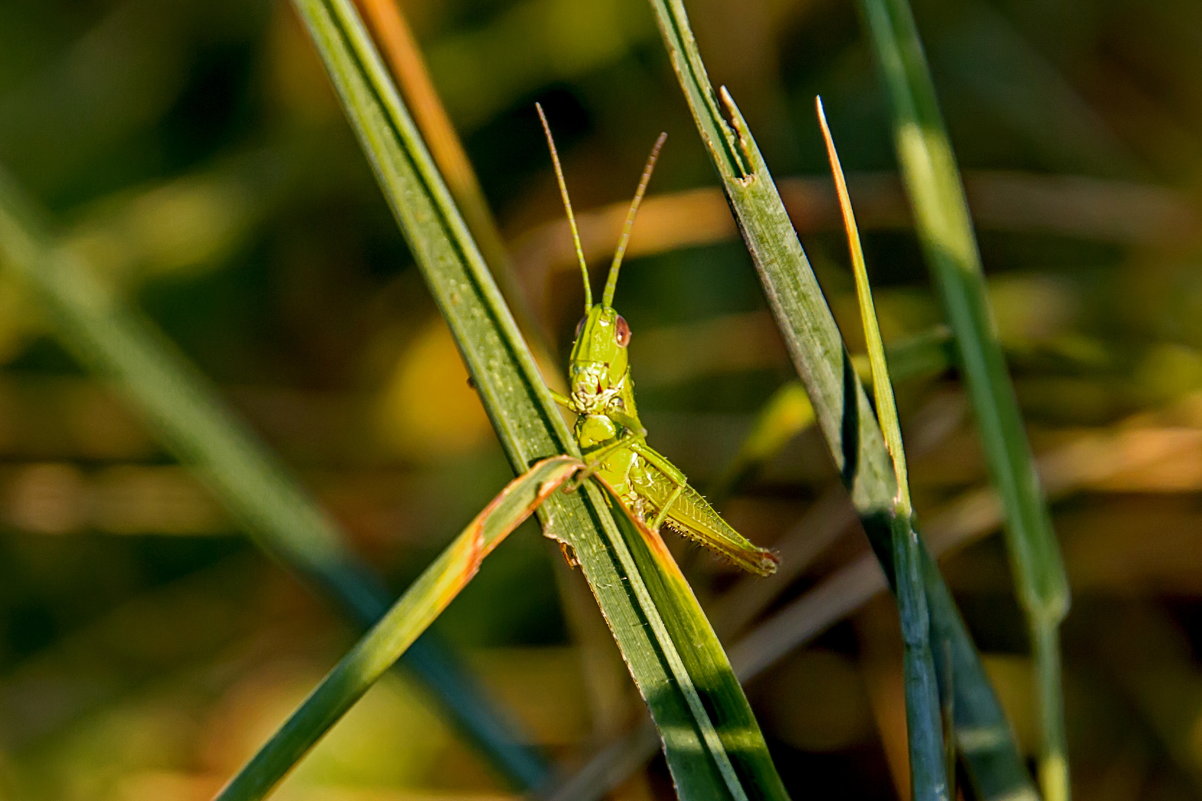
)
(611, 438)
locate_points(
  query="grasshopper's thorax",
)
(599, 369)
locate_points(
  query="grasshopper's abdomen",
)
(692, 517)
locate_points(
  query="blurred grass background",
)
(194, 154)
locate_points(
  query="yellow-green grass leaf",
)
(388, 640)
(928, 769)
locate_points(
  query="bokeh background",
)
(195, 155)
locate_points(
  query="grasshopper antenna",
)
(611, 283)
(567, 205)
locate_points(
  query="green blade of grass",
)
(843, 412)
(116, 341)
(945, 232)
(390, 27)
(386, 19)
(376, 651)
(882, 389)
(928, 772)
(712, 742)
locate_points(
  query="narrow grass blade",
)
(928, 773)
(840, 404)
(115, 341)
(945, 232)
(882, 389)
(711, 740)
(412, 614)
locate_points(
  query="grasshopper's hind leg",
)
(670, 472)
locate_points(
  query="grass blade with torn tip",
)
(949, 244)
(928, 773)
(115, 341)
(711, 740)
(421, 604)
(840, 404)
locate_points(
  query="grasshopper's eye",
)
(579, 327)
(622, 331)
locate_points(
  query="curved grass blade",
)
(945, 232)
(712, 742)
(115, 341)
(928, 772)
(843, 412)
(412, 614)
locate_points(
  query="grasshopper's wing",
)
(692, 517)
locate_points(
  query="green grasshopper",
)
(611, 438)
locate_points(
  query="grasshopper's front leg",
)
(632, 431)
(594, 460)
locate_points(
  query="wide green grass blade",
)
(116, 341)
(376, 651)
(391, 30)
(712, 742)
(945, 232)
(843, 412)
(928, 770)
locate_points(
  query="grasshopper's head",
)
(599, 366)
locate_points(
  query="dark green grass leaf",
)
(841, 406)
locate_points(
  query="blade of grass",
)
(115, 341)
(967, 519)
(928, 774)
(376, 651)
(397, 43)
(712, 742)
(840, 404)
(882, 389)
(945, 232)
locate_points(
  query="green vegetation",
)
(215, 346)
